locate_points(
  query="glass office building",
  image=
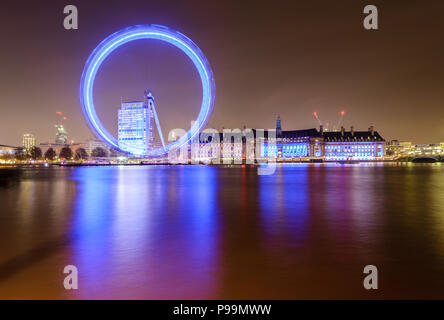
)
(134, 127)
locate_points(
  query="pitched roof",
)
(328, 135)
(357, 136)
(300, 133)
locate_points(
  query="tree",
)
(50, 154)
(114, 153)
(66, 153)
(99, 152)
(35, 153)
(81, 154)
(21, 154)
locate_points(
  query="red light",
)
(315, 113)
(58, 112)
(342, 113)
(64, 118)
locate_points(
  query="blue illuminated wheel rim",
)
(121, 37)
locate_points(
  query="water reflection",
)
(146, 232)
(223, 232)
(91, 228)
(285, 202)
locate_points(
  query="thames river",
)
(221, 232)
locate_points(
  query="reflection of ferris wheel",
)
(104, 49)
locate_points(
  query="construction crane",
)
(342, 113)
(315, 114)
(335, 128)
(60, 117)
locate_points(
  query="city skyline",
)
(222, 157)
(377, 77)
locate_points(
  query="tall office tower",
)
(61, 135)
(278, 127)
(135, 127)
(28, 141)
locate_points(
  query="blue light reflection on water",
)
(134, 214)
(224, 232)
(91, 225)
(284, 201)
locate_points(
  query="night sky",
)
(268, 57)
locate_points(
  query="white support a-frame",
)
(148, 97)
(159, 129)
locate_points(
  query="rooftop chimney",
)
(342, 131)
(372, 130)
(352, 130)
(321, 129)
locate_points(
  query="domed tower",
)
(61, 135)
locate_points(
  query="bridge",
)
(427, 158)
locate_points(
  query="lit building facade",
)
(7, 150)
(136, 125)
(398, 150)
(353, 145)
(218, 147)
(311, 144)
(294, 144)
(290, 146)
(28, 141)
